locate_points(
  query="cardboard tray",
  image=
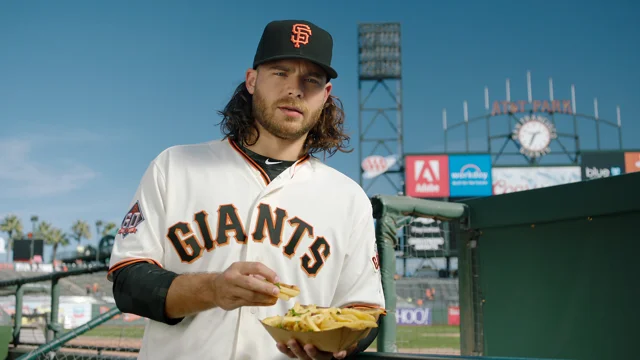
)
(331, 340)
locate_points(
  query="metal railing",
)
(53, 327)
(60, 341)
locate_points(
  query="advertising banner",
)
(453, 315)
(427, 176)
(631, 162)
(71, 313)
(376, 165)
(513, 179)
(413, 316)
(600, 165)
(74, 315)
(470, 175)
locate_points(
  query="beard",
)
(287, 127)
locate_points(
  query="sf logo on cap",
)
(301, 34)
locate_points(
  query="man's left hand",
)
(309, 352)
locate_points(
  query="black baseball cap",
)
(296, 39)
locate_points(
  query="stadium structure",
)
(428, 251)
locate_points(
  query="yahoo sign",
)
(413, 316)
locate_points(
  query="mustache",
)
(291, 103)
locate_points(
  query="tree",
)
(81, 230)
(53, 236)
(44, 229)
(109, 227)
(12, 225)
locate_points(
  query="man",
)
(210, 222)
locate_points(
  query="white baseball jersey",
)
(201, 207)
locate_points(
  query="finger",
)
(256, 285)
(254, 298)
(285, 350)
(297, 350)
(257, 268)
(316, 354)
(340, 355)
(351, 349)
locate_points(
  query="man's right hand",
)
(242, 284)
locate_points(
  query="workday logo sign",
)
(470, 175)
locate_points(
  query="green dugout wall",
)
(553, 272)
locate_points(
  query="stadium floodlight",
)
(380, 92)
(379, 51)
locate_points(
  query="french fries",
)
(287, 291)
(311, 318)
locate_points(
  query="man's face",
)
(288, 96)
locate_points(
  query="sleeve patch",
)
(131, 221)
(376, 262)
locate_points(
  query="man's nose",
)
(295, 88)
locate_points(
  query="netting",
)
(427, 307)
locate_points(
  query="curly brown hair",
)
(326, 136)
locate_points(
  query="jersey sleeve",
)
(360, 280)
(140, 233)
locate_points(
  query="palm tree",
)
(55, 237)
(12, 225)
(44, 229)
(108, 228)
(81, 230)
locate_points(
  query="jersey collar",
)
(303, 161)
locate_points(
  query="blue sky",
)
(91, 92)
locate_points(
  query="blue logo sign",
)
(470, 175)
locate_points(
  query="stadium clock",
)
(534, 134)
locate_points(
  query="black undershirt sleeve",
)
(141, 289)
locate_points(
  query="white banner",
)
(376, 165)
(72, 311)
(514, 179)
(413, 316)
(26, 267)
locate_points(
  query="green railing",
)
(53, 327)
(391, 214)
(61, 340)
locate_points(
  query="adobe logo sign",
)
(427, 176)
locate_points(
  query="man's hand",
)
(309, 352)
(242, 284)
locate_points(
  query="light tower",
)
(380, 147)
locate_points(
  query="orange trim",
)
(300, 162)
(126, 262)
(265, 177)
(303, 159)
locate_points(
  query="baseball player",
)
(210, 222)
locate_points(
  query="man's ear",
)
(327, 91)
(250, 80)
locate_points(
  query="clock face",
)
(534, 135)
